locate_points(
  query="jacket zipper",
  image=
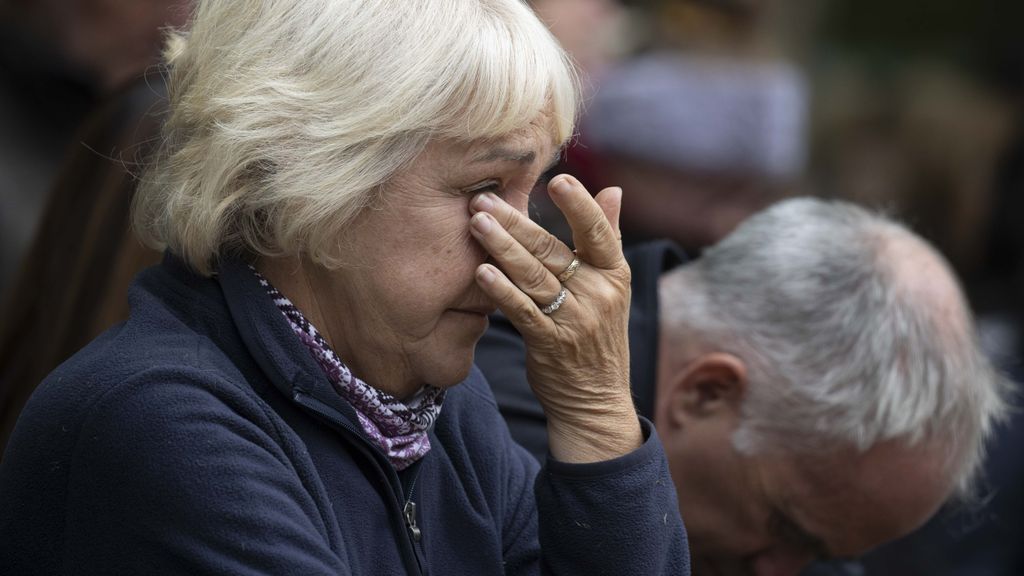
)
(410, 510)
(410, 556)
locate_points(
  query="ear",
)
(710, 386)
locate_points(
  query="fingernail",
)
(485, 274)
(561, 185)
(481, 222)
(483, 203)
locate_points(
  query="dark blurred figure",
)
(75, 277)
(58, 60)
(985, 540)
(998, 279)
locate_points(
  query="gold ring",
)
(570, 269)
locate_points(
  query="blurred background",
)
(702, 110)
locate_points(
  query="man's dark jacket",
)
(201, 437)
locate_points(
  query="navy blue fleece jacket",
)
(201, 437)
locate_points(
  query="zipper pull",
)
(410, 520)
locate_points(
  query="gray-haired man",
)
(814, 378)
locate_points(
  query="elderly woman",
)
(340, 190)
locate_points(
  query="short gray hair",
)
(287, 116)
(839, 351)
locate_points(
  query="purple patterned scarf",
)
(398, 428)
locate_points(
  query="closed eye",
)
(488, 186)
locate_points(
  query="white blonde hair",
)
(839, 351)
(288, 116)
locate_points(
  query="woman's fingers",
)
(577, 353)
(518, 263)
(544, 246)
(610, 201)
(594, 222)
(515, 304)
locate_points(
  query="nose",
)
(779, 562)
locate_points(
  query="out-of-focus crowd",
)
(704, 111)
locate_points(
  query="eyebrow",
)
(507, 155)
(517, 156)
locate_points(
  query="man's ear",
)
(711, 385)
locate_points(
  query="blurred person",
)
(59, 59)
(74, 281)
(706, 124)
(700, 142)
(814, 377)
(591, 31)
(709, 26)
(294, 389)
(921, 141)
(107, 42)
(756, 29)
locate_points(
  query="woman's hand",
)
(577, 351)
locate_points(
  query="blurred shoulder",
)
(177, 337)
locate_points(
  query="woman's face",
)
(405, 310)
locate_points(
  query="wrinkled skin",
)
(447, 243)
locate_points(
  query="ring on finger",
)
(556, 303)
(570, 269)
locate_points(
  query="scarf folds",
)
(398, 428)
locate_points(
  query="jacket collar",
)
(271, 342)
